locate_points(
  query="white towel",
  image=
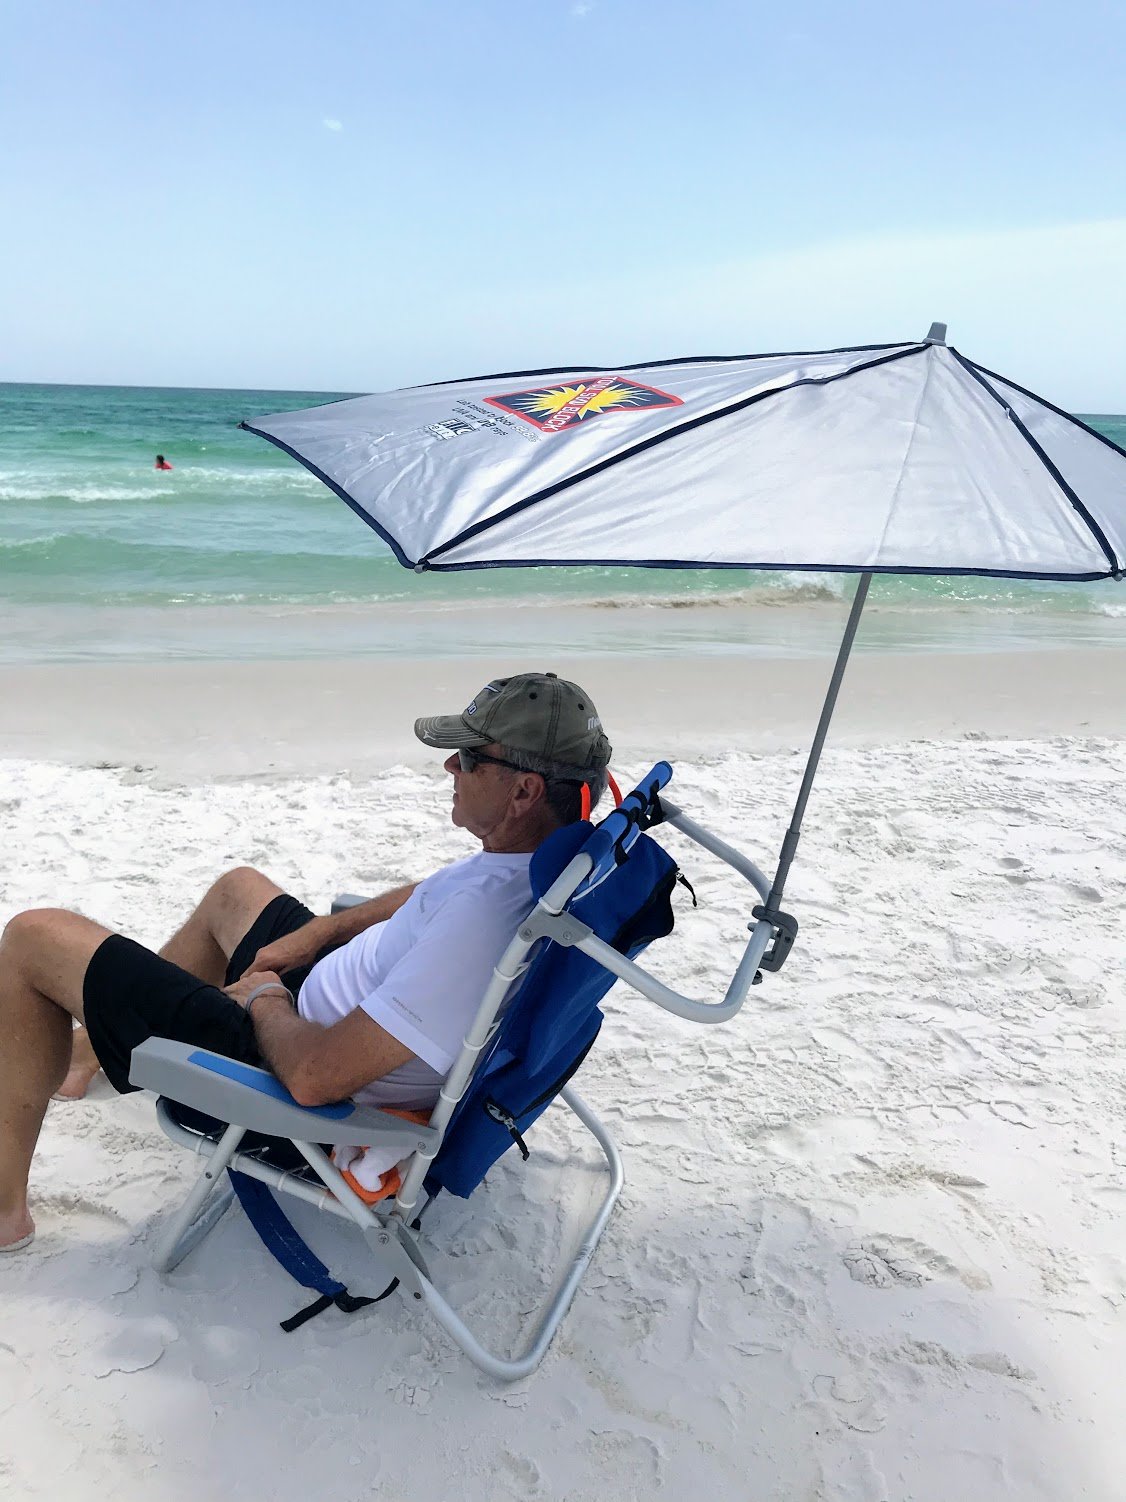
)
(367, 1165)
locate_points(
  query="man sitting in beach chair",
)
(371, 1003)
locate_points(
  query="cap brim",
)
(448, 732)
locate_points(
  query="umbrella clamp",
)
(785, 932)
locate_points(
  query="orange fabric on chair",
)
(392, 1181)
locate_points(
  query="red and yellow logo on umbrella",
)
(553, 408)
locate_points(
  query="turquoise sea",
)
(237, 551)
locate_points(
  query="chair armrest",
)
(254, 1098)
(344, 900)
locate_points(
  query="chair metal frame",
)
(390, 1227)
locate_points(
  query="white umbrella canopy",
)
(890, 458)
(904, 458)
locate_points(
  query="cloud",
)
(1043, 304)
(582, 8)
(330, 124)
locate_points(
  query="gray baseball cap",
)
(537, 712)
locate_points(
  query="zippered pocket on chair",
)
(505, 1118)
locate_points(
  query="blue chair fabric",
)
(553, 1019)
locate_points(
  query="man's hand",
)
(303, 945)
(298, 948)
(250, 982)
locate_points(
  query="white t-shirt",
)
(422, 974)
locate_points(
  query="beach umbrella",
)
(904, 458)
(890, 458)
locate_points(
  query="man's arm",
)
(329, 932)
(319, 1064)
(340, 927)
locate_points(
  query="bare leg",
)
(83, 1067)
(202, 947)
(210, 936)
(43, 960)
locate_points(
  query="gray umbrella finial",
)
(936, 335)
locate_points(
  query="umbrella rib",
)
(657, 438)
(1096, 531)
(786, 354)
(338, 490)
(1042, 401)
(906, 456)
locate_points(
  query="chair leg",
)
(392, 1242)
(188, 1226)
(511, 1369)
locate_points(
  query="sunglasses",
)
(469, 761)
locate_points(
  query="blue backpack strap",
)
(281, 1239)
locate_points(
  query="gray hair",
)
(562, 782)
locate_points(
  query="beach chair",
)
(601, 895)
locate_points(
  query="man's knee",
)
(233, 902)
(51, 949)
(240, 887)
(238, 879)
(33, 930)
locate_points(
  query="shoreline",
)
(674, 627)
(198, 720)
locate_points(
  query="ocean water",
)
(238, 551)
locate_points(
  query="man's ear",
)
(533, 788)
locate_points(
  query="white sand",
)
(872, 1240)
(192, 720)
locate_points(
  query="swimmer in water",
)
(161, 462)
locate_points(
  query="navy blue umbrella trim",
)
(785, 354)
(1096, 531)
(336, 489)
(658, 438)
(774, 566)
(1068, 416)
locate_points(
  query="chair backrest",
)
(553, 1019)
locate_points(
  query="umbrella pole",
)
(790, 843)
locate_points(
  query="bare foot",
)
(16, 1230)
(83, 1067)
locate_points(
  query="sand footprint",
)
(417, 1395)
(1086, 893)
(836, 1041)
(1000, 1364)
(221, 1353)
(899, 1262)
(138, 1344)
(522, 1471)
(848, 1399)
(636, 1456)
(879, 1265)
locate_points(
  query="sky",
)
(356, 196)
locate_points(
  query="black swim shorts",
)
(130, 994)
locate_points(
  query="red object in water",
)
(161, 462)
